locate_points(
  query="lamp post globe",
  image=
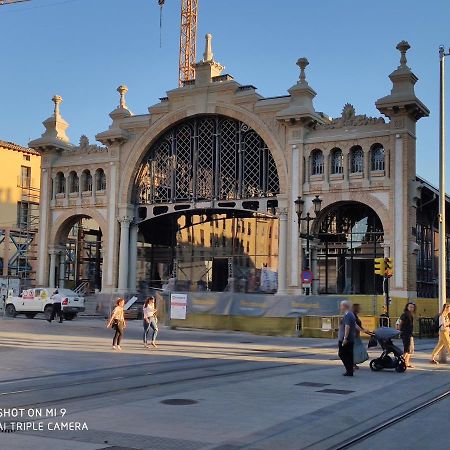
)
(299, 203)
(317, 202)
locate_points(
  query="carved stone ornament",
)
(85, 147)
(350, 119)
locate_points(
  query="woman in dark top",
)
(406, 327)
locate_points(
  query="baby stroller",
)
(384, 336)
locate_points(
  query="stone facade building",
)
(217, 150)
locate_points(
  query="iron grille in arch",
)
(205, 158)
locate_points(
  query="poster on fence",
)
(178, 304)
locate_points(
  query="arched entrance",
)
(350, 235)
(79, 247)
(206, 195)
(212, 250)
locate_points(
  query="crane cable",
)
(161, 4)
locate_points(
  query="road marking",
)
(16, 392)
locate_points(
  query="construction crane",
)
(188, 40)
(188, 37)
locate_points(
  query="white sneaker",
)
(119, 347)
(114, 347)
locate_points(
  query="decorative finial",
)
(302, 63)
(57, 100)
(403, 47)
(208, 55)
(122, 90)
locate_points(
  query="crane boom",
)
(188, 40)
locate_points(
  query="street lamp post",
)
(299, 205)
(442, 228)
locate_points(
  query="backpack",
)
(435, 326)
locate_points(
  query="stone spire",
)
(208, 55)
(403, 47)
(402, 97)
(122, 110)
(115, 133)
(122, 90)
(55, 129)
(303, 63)
(207, 68)
(301, 106)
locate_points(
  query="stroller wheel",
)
(401, 367)
(375, 365)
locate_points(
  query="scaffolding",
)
(22, 262)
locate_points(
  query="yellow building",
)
(19, 205)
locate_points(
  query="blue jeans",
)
(147, 325)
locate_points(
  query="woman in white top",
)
(150, 320)
(444, 333)
(117, 323)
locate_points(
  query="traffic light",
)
(388, 267)
(379, 266)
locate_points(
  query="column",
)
(295, 182)
(124, 248)
(282, 251)
(326, 169)
(51, 276)
(398, 217)
(62, 268)
(366, 174)
(41, 275)
(134, 228)
(346, 164)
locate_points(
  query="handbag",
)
(359, 352)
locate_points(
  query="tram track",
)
(106, 391)
(384, 425)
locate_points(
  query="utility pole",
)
(442, 228)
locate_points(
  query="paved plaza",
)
(204, 390)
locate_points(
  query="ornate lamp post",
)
(299, 205)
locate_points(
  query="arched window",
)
(377, 153)
(100, 180)
(60, 183)
(356, 160)
(316, 162)
(207, 157)
(74, 182)
(337, 165)
(86, 181)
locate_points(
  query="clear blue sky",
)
(83, 49)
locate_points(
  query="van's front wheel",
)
(11, 310)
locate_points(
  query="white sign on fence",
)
(178, 304)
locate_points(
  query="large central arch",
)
(209, 157)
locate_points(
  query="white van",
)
(39, 300)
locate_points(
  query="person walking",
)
(346, 337)
(150, 320)
(406, 327)
(57, 308)
(359, 349)
(444, 333)
(117, 323)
